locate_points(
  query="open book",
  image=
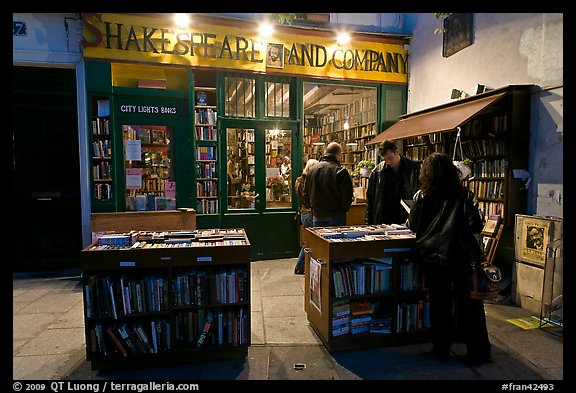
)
(491, 226)
(407, 204)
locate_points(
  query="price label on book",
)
(203, 259)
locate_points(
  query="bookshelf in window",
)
(149, 162)
(157, 298)
(207, 179)
(206, 136)
(352, 123)
(101, 150)
(205, 114)
(363, 288)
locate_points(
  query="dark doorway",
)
(46, 185)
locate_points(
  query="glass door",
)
(259, 185)
(240, 169)
(278, 162)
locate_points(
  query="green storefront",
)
(195, 118)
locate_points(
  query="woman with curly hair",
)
(445, 217)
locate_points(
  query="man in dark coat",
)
(393, 179)
(329, 191)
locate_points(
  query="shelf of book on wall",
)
(101, 149)
(155, 298)
(495, 140)
(352, 125)
(366, 289)
(206, 180)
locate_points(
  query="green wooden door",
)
(257, 188)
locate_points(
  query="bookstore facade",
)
(214, 117)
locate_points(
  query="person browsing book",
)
(329, 191)
(391, 181)
(445, 217)
(305, 211)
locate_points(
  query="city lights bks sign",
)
(235, 46)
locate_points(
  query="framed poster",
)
(534, 238)
(315, 279)
(457, 33)
(275, 55)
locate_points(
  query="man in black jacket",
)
(393, 179)
(329, 191)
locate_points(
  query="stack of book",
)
(381, 325)
(340, 318)
(360, 317)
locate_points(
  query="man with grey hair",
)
(329, 191)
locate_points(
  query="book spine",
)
(117, 342)
(205, 330)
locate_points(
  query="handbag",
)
(485, 276)
(464, 169)
(485, 281)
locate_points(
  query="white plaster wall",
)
(507, 48)
(376, 21)
(47, 41)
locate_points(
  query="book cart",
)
(157, 298)
(363, 288)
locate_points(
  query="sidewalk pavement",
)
(49, 343)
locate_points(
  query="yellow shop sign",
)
(234, 46)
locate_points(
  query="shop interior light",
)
(343, 38)
(318, 143)
(266, 29)
(346, 125)
(352, 144)
(182, 20)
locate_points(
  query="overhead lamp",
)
(181, 20)
(266, 29)
(351, 144)
(343, 38)
(318, 144)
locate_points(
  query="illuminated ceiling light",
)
(343, 38)
(182, 20)
(266, 29)
(351, 144)
(318, 143)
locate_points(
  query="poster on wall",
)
(133, 150)
(315, 276)
(534, 239)
(133, 178)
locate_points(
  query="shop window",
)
(149, 167)
(345, 114)
(240, 168)
(278, 168)
(277, 99)
(239, 96)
